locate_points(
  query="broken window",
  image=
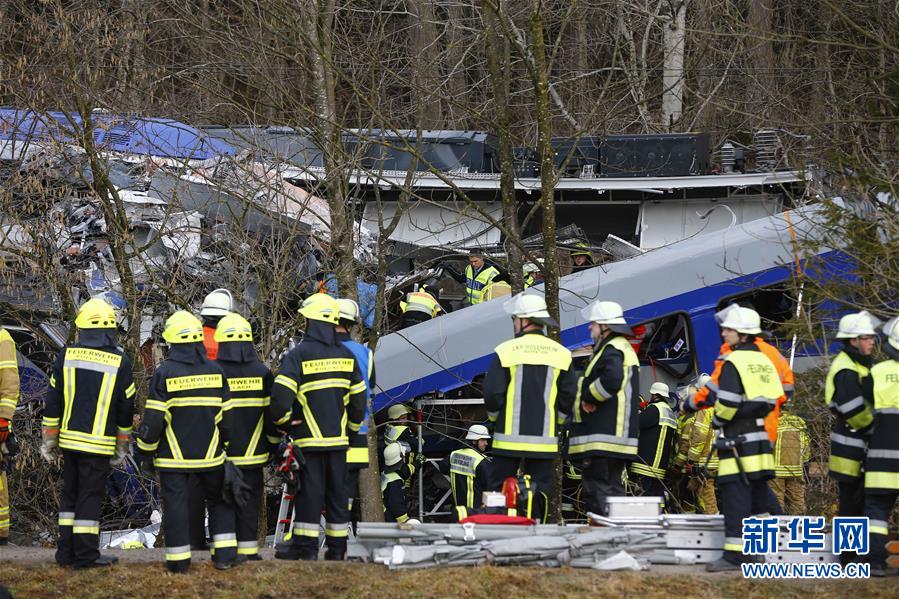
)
(776, 304)
(666, 344)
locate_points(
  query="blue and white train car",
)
(673, 291)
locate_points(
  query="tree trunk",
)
(673, 70)
(426, 83)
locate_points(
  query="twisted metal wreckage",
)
(181, 189)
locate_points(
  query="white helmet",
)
(349, 309)
(604, 313)
(891, 330)
(857, 324)
(658, 388)
(530, 306)
(217, 303)
(476, 432)
(740, 319)
(393, 454)
(703, 380)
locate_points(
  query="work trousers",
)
(790, 493)
(175, 487)
(322, 486)
(705, 496)
(197, 509)
(247, 517)
(83, 489)
(352, 484)
(648, 486)
(410, 319)
(602, 479)
(877, 508)
(540, 470)
(4, 502)
(740, 500)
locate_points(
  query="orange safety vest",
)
(209, 342)
(783, 370)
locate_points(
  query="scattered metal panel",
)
(444, 224)
(664, 223)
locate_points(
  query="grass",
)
(266, 580)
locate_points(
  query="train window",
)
(666, 343)
(775, 305)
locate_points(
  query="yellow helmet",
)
(233, 327)
(321, 306)
(96, 314)
(581, 249)
(183, 327)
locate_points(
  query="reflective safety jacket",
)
(657, 430)
(475, 282)
(748, 390)
(183, 424)
(420, 301)
(611, 382)
(9, 375)
(320, 386)
(358, 450)
(849, 393)
(469, 475)
(882, 463)
(250, 389)
(91, 398)
(528, 391)
(682, 447)
(791, 451)
(702, 441)
(393, 492)
(787, 381)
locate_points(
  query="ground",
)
(28, 573)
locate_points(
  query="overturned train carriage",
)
(670, 294)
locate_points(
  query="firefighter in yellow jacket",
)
(747, 392)
(88, 414)
(702, 462)
(882, 460)
(184, 433)
(791, 452)
(9, 399)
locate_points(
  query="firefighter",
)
(532, 274)
(251, 437)
(882, 460)
(747, 391)
(657, 429)
(478, 275)
(702, 463)
(357, 453)
(398, 430)
(848, 392)
(680, 480)
(469, 471)
(791, 452)
(184, 432)
(9, 399)
(783, 370)
(604, 436)
(320, 394)
(419, 306)
(529, 391)
(215, 306)
(393, 488)
(581, 258)
(87, 415)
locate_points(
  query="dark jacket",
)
(185, 426)
(320, 388)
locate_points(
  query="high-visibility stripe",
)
(357, 455)
(101, 413)
(50, 422)
(306, 529)
(68, 378)
(8, 364)
(332, 383)
(598, 392)
(322, 442)
(8, 403)
(247, 548)
(175, 554)
(337, 529)
(194, 402)
(889, 454)
(86, 527)
(882, 480)
(602, 446)
(213, 444)
(246, 402)
(751, 464)
(253, 460)
(649, 471)
(131, 391)
(286, 381)
(189, 462)
(733, 544)
(309, 417)
(154, 404)
(221, 541)
(66, 518)
(144, 446)
(848, 441)
(846, 466)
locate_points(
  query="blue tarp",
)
(165, 138)
(367, 293)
